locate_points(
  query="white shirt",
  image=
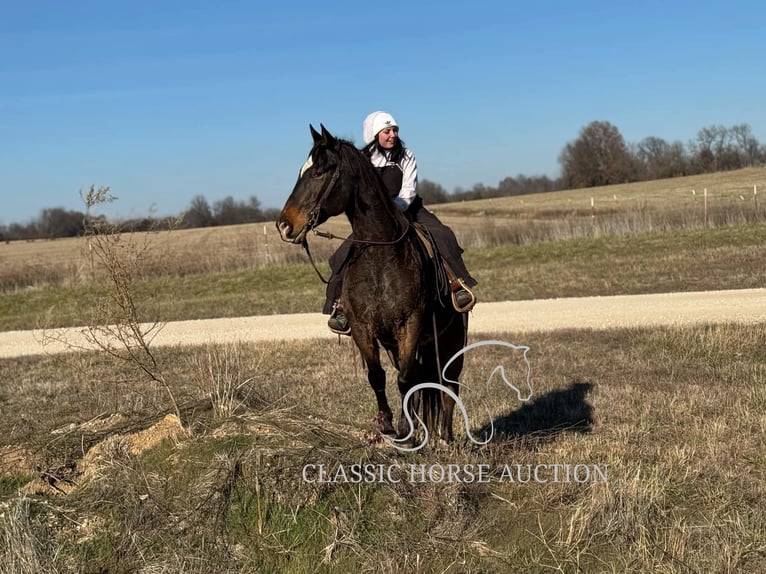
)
(409, 168)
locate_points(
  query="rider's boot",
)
(463, 299)
(338, 322)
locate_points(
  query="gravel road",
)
(745, 306)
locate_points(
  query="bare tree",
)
(743, 139)
(598, 157)
(714, 150)
(199, 213)
(117, 328)
(509, 186)
(659, 159)
(432, 192)
(58, 222)
(228, 211)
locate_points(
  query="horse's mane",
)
(369, 176)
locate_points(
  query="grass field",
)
(619, 210)
(531, 247)
(95, 480)
(97, 475)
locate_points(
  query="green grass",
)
(681, 260)
(288, 288)
(726, 257)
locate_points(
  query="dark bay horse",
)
(390, 294)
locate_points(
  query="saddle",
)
(443, 269)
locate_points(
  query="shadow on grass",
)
(542, 419)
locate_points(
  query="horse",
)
(390, 291)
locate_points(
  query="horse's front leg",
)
(376, 376)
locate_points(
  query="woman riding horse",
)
(397, 167)
(390, 293)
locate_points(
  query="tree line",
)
(598, 156)
(58, 222)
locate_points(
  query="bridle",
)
(313, 218)
(327, 187)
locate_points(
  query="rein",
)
(328, 235)
(313, 264)
(314, 217)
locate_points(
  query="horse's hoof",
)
(385, 423)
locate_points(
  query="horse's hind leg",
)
(405, 383)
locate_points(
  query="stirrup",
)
(461, 285)
(339, 331)
(335, 311)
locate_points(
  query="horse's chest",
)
(383, 280)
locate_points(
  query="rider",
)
(398, 169)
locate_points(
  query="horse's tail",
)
(429, 403)
(430, 407)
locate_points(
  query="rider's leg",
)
(337, 322)
(461, 281)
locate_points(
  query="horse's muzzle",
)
(286, 232)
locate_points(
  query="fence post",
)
(755, 197)
(266, 239)
(705, 204)
(592, 212)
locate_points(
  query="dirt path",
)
(745, 306)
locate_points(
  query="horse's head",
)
(315, 196)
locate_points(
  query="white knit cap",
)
(376, 122)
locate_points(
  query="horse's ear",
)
(327, 136)
(315, 134)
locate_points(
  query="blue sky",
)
(165, 100)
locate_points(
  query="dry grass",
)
(680, 260)
(95, 477)
(663, 196)
(676, 415)
(619, 210)
(70, 261)
(532, 250)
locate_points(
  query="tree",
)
(716, 148)
(598, 157)
(226, 212)
(253, 211)
(432, 192)
(659, 159)
(58, 222)
(199, 213)
(746, 144)
(509, 186)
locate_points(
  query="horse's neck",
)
(373, 217)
